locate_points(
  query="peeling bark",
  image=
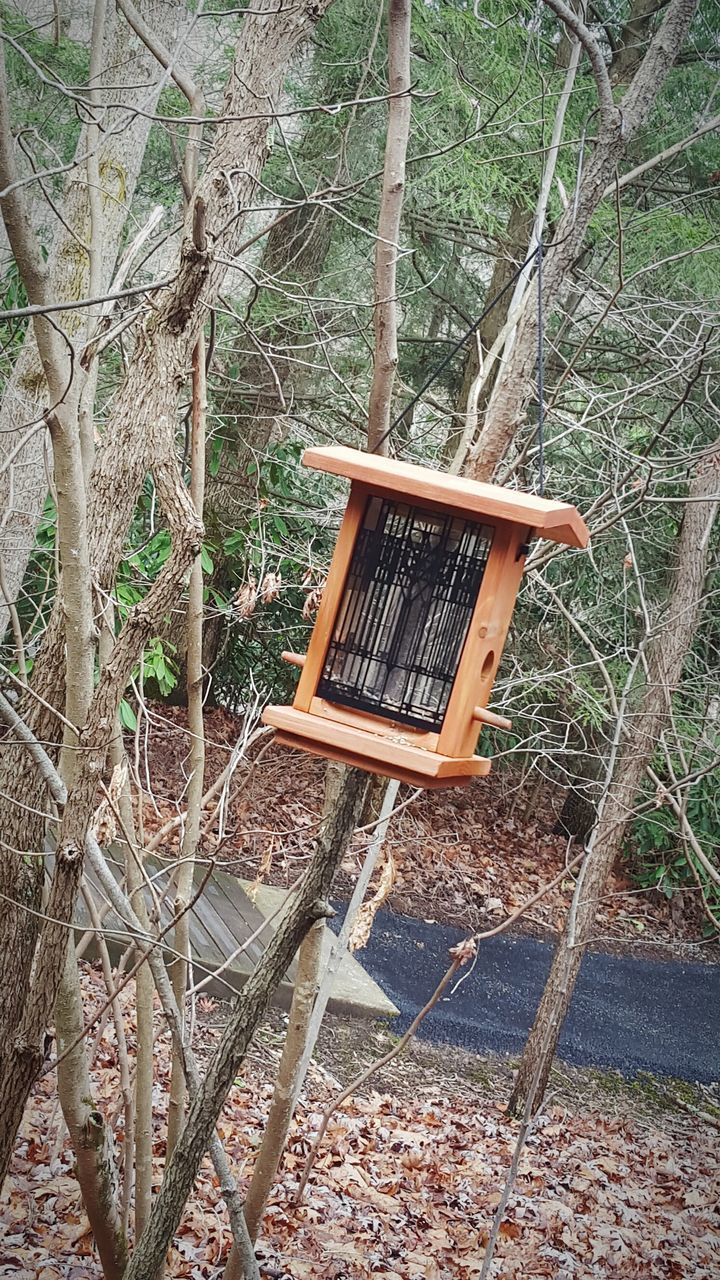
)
(22, 1049)
(128, 76)
(142, 439)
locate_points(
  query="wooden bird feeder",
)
(413, 618)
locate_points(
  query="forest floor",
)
(465, 857)
(616, 1180)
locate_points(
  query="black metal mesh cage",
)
(412, 585)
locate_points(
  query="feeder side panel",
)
(331, 596)
(485, 640)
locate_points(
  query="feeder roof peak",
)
(558, 521)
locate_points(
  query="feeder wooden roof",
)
(558, 521)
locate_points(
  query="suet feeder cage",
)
(413, 618)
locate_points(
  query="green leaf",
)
(128, 719)
(235, 542)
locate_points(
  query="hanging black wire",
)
(537, 257)
(537, 254)
(452, 352)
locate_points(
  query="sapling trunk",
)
(288, 1080)
(92, 1144)
(196, 729)
(386, 248)
(310, 998)
(252, 1003)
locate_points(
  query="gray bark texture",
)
(156, 965)
(388, 232)
(132, 77)
(90, 1137)
(143, 439)
(268, 379)
(634, 39)
(258, 408)
(196, 755)
(667, 653)
(511, 253)
(281, 1110)
(22, 1045)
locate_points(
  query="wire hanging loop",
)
(540, 371)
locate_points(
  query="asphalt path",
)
(628, 1014)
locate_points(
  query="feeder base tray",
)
(386, 755)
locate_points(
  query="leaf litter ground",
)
(612, 1183)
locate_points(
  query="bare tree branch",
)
(608, 110)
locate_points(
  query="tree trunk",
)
(142, 437)
(286, 1084)
(138, 1143)
(633, 41)
(388, 232)
(25, 398)
(251, 1005)
(75, 590)
(91, 1142)
(256, 409)
(509, 256)
(618, 125)
(128, 72)
(142, 1154)
(22, 1045)
(495, 336)
(155, 963)
(196, 729)
(639, 737)
(585, 768)
(295, 251)
(310, 999)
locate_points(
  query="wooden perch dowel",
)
(489, 717)
(295, 659)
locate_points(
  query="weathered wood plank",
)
(221, 919)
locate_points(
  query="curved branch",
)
(608, 110)
(185, 84)
(46, 768)
(155, 46)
